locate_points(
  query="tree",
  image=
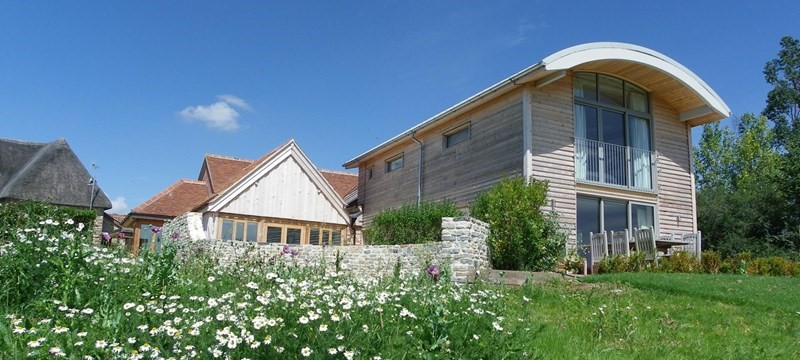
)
(740, 205)
(783, 109)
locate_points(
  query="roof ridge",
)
(163, 193)
(337, 172)
(228, 157)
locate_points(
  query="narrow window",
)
(293, 236)
(337, 238)
(326, 237)
(252, 231)
(314, 238)
(227, 230)
(239, 234)
(274, 234)
(457, 136)
(369, 173)
(394, 163)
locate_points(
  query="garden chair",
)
(599, 245)
(646, 244)
(620, 242)
(694, 240)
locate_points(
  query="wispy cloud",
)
(523, 31)
(221, 115)
(119, 206)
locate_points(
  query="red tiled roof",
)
(342, 182)
(175, 200)
(223, 171)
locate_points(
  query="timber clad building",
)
(607, 124)
(279, 198)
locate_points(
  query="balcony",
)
(613, 165)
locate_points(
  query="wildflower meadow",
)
(61, 297)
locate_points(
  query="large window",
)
(600, 214)
(239, 230)
(612, 132)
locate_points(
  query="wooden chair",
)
(695, 242)
(599, 244)
(646, 243)
(620, 242)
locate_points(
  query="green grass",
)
(657, 315)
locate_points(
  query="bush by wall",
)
(410, 224)
(521, 236)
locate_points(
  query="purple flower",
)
(288, 250)
(175, 235)
(121, 235)
(433, 272)
(155, 229)
(106, 236)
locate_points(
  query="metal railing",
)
(614, 165)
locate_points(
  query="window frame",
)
(629, 204)
(450, 134)
(392, 160)
(626, 110)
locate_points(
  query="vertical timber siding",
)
(674, 170)
(553, 148)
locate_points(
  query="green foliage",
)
(711, 261)
(614, 264)
(42, 247)
(739, 200)
(522, 237)
(574, 263)
(410, 224)
(682, 262)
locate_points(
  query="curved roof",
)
(694, 101)
(580, 56)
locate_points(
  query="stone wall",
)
(463, 248)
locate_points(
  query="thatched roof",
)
(47, 172)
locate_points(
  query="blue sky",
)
(144, 89)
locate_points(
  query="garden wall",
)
(463, 248)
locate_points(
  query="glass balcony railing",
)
(614, 165)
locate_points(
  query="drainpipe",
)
(419, 169)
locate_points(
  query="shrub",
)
(681, 261)
(772, 266)
(410, 224)
(614, 264)
(521, 236)
(711, 261)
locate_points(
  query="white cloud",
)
(119, 206)
(220, 115)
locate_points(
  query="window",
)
(293, 236)
(227, 230)
(314, 237)
(600, 214)
(252, 231)
(394, 163)
(369, 173)
(612, 132)
(457, 136)
(239, 234)
(336, 238)
(274, 234)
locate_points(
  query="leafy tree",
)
(783, 109)
(740, 205)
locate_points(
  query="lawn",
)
(658, 315)
(62, 297)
